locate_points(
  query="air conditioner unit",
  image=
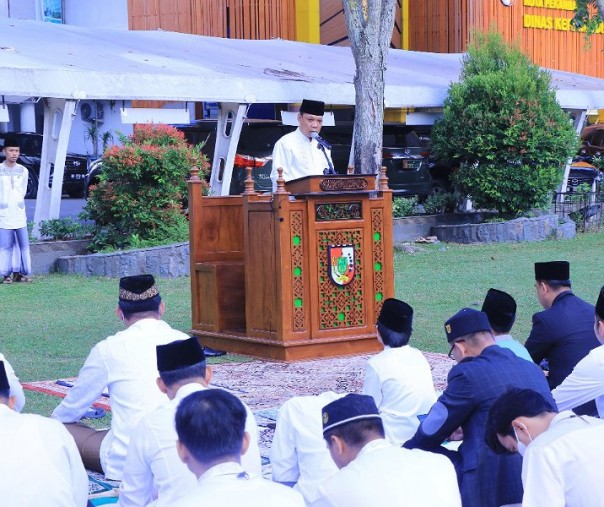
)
(92, 112)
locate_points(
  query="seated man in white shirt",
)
(16, 389)
(560, 450)
(153, 471)
(125, 364)
(586, 382)
(399, 378)
(500, 309)
(211, 439)
(375, 472)
(40, 464)
(302, 152)
(298, 455)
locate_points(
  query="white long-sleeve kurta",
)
(298, 452)
(125, 363)
(227, 485)
(560, 466)
(299, 156)
(585, 383)
(400, 382)
(153, 471)
(16, 389)
(383, 474)
(13, 186)
(40, 463)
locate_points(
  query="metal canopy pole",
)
(58, 118)
(228, 130)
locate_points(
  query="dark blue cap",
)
(396, 315)
(179, 354)
(350, 408)
(466, 321)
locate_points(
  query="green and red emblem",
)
(341, 264)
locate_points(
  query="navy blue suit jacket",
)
(487, 479)
(563, 334)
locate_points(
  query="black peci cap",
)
(396, 315)
(179, 354)
(554, 270)
(314, 107)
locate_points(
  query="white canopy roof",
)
(65, 61)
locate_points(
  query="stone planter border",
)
(172, 261)
(471, 228)
(169, 261)
(44, 254)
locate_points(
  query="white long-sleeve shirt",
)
(299, 156)
(39, 464)
(227, 485)
(13, 186)
(561, 466)
(385, 474)
(16, 389)
(585, 383)
(153, 471)
(298, 451)
(125, 363)
(400, 381)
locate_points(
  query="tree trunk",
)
(370, 24)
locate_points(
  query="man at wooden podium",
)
(303, 152)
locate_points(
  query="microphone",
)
(320, 140)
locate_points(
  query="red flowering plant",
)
(140, 199)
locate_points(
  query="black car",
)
(30, 144)
(581, 177)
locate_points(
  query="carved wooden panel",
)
(299, 275)
(340, 306)
(377, 232)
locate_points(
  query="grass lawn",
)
(48, 327)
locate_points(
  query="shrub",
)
(58, 229)
(441, 202)
(141, 195)
(502, 125)
(404, 206)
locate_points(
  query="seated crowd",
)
(515, 425)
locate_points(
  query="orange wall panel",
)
(542, 33)
(333, 24)
(237, 19)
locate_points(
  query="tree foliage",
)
(588, 15)
(139, 199)
(504, 128)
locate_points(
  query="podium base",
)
(236, 343)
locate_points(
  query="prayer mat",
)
(100, 490)
(60, 388)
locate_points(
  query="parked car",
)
(581, 175)
(592, 141)
(30, 144)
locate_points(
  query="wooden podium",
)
(297, 274)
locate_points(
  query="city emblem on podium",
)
(341, 264)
